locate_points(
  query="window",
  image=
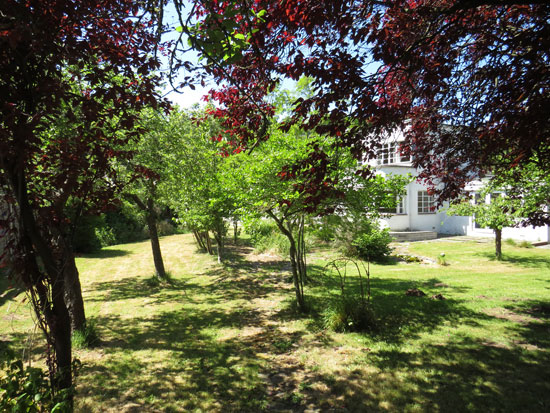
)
(426, 203)
(401, 205)
(387, 154)
(399, 208)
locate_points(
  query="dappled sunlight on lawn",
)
(228, 337)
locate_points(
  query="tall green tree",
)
(148, 172)
(193, 188)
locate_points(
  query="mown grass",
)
(227, 338)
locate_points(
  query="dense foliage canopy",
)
(466, 80)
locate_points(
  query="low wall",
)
(404, 236)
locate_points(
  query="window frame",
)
(424, 203)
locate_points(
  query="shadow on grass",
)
(131, 288)
(533, 329)
(532, 261)
(202, 372)
(9, 287)
(461, 376)
(221, 358)
(107, 253)
(399, 317)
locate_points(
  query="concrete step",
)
(406, 236)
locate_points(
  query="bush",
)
(349, 315)
(324, 228)
(87, 337)
(373, 245)
(275, 242)
(259, 228)
(525, 244)
(87, 236)
(127, 224)
(165, 227)
(27, 389)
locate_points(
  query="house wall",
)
(440, 221)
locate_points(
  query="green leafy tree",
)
(297, 175)
(148, 172)
(502, 211)
(194, 188)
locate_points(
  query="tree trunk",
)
(155, 245)
(498, 243)
(295, 274)
(219, 247)
(294, 263)
(199, 241)
(151, 219)
(208, 243)
(218, 236)
(235, 230)
(73, 292)
(42, 272)
(61, 330)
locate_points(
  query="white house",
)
(414, 210)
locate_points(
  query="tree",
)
(466, 80)
(498, 213)
(148, 169)
(278, 180)
(63, 61)
(265, 188)
(193, 186)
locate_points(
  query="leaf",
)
(179, 29)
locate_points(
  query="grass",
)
(228, 338)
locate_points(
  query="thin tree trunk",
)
(151, 220)
(295, 274)
(219, 246)
(235, 230)
(208, 243)
(199, 240)
(155, 245)
(294, 265)
(218, 236)
(498, 243)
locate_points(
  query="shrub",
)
(27, 389)
(259, 228)
(324, 228)
(525, 244)
(349, 315)
(87, 337)
(127, 224)
(165, 227)
(87, 234)
(373, 245)
(275, 242)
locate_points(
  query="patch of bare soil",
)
(521, 344)
(509, 315)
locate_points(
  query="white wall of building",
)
(439, 221)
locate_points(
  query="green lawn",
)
(222, 339)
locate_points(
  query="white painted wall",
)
(440, 222)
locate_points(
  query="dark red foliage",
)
(468, 81)
(74, 75)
